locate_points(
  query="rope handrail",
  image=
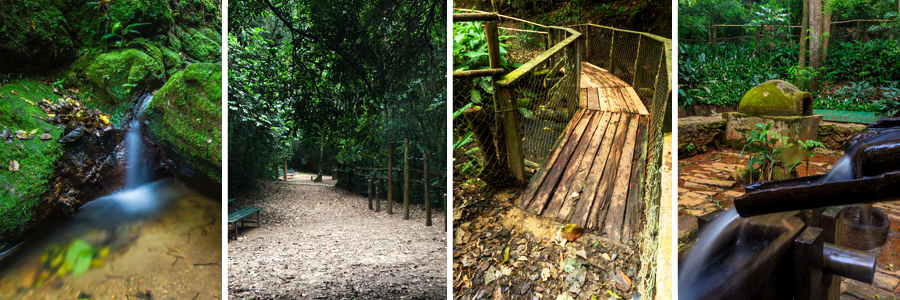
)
(501, 16)
(780, 25)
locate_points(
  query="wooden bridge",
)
(593, 177)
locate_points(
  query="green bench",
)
(236, 218)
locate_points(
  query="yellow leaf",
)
(33, 131)
(32, 25)
(613, 294)
(28, 101)
(571, 232)
(13, 166)
(104, 118)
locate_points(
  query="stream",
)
(149, 238)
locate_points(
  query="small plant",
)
(768, 149)
(117, 34)
(689, 147)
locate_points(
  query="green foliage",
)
(116, 37)
(347, 74)
(20, 191)
(767, 149)
(875, 60)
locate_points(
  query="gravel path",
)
(321, 242)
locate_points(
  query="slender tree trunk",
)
(804, 33)
(815, 45)
(321, 150)
(826, 28)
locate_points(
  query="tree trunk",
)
(321, 151)
(804, 28)
(815, 45)
(826, 28)
(493, 171)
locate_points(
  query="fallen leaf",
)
(13, 166)
(623, 283)
(33, 131)
(28, 101)
(46, 136)
(613, 294)
(545, 273)
(498, 293)
(104, 118)
(21, 134)
(506, 255)
(571, 232)
(14, 92)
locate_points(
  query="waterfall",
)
(134, 147)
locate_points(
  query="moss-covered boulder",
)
(21, 189)
(196, 12)
(120, 76)
(33, 34)
(156, 14)
(203, 45)
(185, 116)
(776, 98)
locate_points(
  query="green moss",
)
(196, 12)
(174, 42)
(20, 191)
(774, 98)
(156, 13)
(201, 47)
(33, 34)
(118, 76)
(172, 61)
(186, 114)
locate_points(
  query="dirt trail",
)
(321, 242)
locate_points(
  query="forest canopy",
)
(346, 76)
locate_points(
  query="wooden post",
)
(377, 200)
(390, 181)
(426, 183)
(515, 156)
(369, 193)
(446, 220)
(493, 42)
(285, 170)
(406, 179)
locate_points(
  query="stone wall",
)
(699, 134)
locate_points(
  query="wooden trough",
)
(593, 176)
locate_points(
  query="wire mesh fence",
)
(767, 37)
(644, 61)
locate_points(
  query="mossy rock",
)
(21, 191)
(186, 116)
(120, 76)
(156, 13)
(196, 12)
(199, 45)
(34, 35)
(776, 98)
(172, 61)
(745, 175)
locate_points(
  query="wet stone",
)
(686, 225)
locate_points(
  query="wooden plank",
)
(849, 116)
(587, 163)
(604, 190)
(546, 189)
(589, 192)
(623, 96)
(611, 102)
(641, 109)
(603, 99)
(612, 227)
(538, 177)
(582, 98)
(572, 168)
(593, 100)
(616, 95)
(634, 209)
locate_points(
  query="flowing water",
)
(713, 259)
(151, 239)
